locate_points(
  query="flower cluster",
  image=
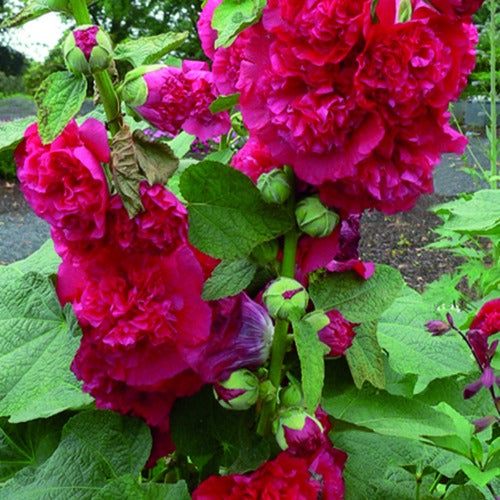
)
(172, 98)
(314, 474)
(135, 285)
(356, 101)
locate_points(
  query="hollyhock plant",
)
(64, 181)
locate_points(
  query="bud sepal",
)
(239, 392)
(286, 298)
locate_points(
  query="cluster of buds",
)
(88, 49)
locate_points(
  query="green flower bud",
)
(314, 219)
(87, 49)
(134, 91)
(292, 395)
(299, 431)
(265, 252)
(286, 298)
(239, 392)
(274, 186)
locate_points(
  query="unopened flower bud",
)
(239, 392)
(299, 432)
(265, 252)
(285, 298)
(292, 395)
(314, 218)
(335, 331)
(274, 186)
(437, 327)
(135, 89)
(87, 49)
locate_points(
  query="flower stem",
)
(103, 81)
(280, 339)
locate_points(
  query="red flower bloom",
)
(485, 324)
(180, 97)
(64, 181)
(286, 477)
(338, 334)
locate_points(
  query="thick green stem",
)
(280, 339)
(103, 81)
(493, 98)
(81, 12)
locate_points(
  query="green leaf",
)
(311, 353)
(127, 487)
(479, 477)
(357, 299)
(96, 447)
(464, 492)
(382, 412)
(374, 467)
(224, 103)
(148, 50)
(460, 435)
(181, 144)
(38, 341)
(58, 100)
(33, 10)
(231, 17)
(155, 158)
(451, 390)
(411, 349)
(229, 278)
(227, 216)
(29, 444)
(12, 133)
(44, 261)
(365, 357)
(478, 215)
(228, 438)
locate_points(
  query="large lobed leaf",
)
(412, 350)
(148, 50)
(97, 448)
(38, 340)
(58, 100)
(357, 299)
(11, 133)
(227, 216)
(478, 215)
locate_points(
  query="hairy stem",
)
(493, 98)
(103, 81)
(280, 339)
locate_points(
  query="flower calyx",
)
(314, 218)
(87, 49)
(286, 299)
(239, 392)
